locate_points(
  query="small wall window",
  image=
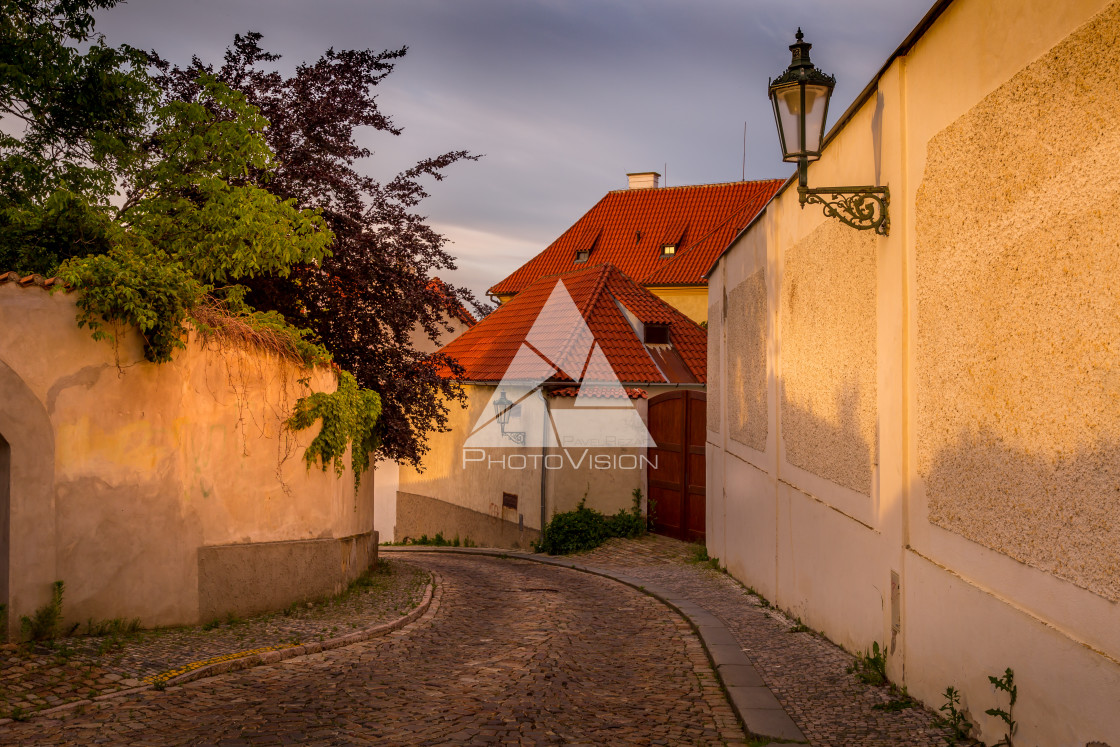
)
(582, 256)
(668, 250)
(509, 500)
(657, 334)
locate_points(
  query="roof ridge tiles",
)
(33, 279)
(696, 186)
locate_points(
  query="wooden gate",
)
(677, 422)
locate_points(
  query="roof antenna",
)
(666, 170)
(744, 151)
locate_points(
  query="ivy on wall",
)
(349, 416)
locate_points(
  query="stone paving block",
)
(717, 636)
(701, 618)
(772, 722)
(750, 698)
(740, 675)
(723, 653)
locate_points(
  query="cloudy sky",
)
(561, 97)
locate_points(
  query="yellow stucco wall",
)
(1018, 349)
(690, 300)
(828, 385)
(974, 350)
(746, 361)
(123, 469)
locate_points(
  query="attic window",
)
(657, 334)
(668, 250)
(582, 255)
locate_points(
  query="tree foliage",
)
(230, 193)
(365, 300)
(349, 416)
(193, 224)
(73, 122)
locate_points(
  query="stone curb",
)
(432, 593)
(753, 702)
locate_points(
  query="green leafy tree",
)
(73, 121)
(193, 225)
(155, 209)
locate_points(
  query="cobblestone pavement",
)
(81, 667)
(807, 673)
(509, 652)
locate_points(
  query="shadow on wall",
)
(1059, 514)
(830, 447)
(747, 408)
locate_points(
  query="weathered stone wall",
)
(122, 471)
(829, 354)
(747, 316)
(1018, 357)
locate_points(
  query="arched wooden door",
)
(677, 421)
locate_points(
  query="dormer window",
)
(668, 250)
(583, 255)
(657, 334)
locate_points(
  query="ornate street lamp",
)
(800, 97)
(502, 409)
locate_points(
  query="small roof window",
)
(583, 255)
(657, 334)
(668, 250)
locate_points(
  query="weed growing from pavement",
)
(900, 701)
(954, 719)
(700, 557)
(870, 667)
(438, 541)
(800, 627)
(1006, 683)
(762, 601)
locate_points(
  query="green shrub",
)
(585, 528)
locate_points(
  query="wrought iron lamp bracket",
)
(518, 437)
(862, 208)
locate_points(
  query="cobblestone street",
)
(509, 652)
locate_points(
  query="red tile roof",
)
(600, 294)
(628, 227)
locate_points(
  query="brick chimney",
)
(644, 180)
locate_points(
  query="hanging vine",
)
(349, 416)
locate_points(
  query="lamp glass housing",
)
(801, 108)
(800, 99)
(502, 409)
